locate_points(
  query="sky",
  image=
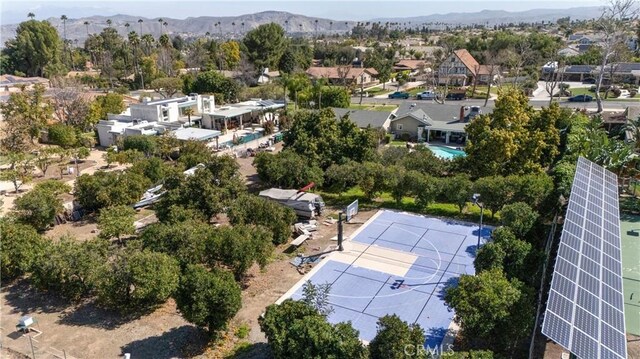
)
(14, 11)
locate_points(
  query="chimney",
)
(461, 113)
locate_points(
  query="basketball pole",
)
(340, 248)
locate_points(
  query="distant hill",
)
(193, 26)
(198, 26)
(493, 17)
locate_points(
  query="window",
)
(399, 126)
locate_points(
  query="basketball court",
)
(397, 263)
(630, 228)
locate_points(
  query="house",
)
(167, 110)
(268, 76)
(432, 122)
(344, 75)
(461, 69)
(236, 116)
(577, 72)
(413, 66)
(12, 83)
(364, 118)
(568, 52)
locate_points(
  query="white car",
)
(426, 95)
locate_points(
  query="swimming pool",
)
(446, 153)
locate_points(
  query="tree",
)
(472, 354)
(613, 26)
(166, 86)
(21, 247)
(185, 240)
(317, 297)
(286, 169)
(106, 189)
(265, 45)
(45, 158)
(136, 280)
(208, 298)
(519, 217)
(238, 248)
(491, 309)
(39, 206)
(250, 209)
(296, 330)
(230, 53)
(321, 139)
(70, 268)
(35, 50)
(189, 112)
(19, 171)
(506, 253)
(513, 139)
(212, 82)
(116, 222)
(494, 192)
(395, 338)
(62, 135)
(340, 177)
(72, 108)
(457, 190)
(208, 191)
(105, 104)
(25, 114)
(142, 143)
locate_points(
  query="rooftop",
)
(443, 117)
(198, 134)
(363, 118)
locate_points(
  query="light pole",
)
(476, 197)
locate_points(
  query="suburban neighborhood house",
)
(344, 75)
(157, 117)
(432, 122)
(461, 69)
(12, 83)
(414, 66)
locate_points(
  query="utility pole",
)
(340, 248)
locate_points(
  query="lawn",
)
(470, 213)
(373, 107)
(585, 91)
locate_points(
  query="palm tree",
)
(633, 129)
(31, 15)
(64, 26)
(242, 24)
(286, 25)
(220, 27)
(86, 24)
(165, 24)
(316, 27)
(126, 26)
(140, 21)
(234, 26)
(188, 112)
(160, 21)
(330, 25)
(109, 22)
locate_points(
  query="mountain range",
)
(235, 26)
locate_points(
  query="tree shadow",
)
(180, 342)
(89, 314)
(25, 299)
(451, 282)
(253, 351)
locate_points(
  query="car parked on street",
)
(581, 98)
(399, 94)
(456, 96)
(426, 95)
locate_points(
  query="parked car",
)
(589, 81)
(426, 95)
(456, 96)
(399, 94)
(581, 98)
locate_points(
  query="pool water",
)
(446, 153)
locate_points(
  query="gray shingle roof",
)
(440, 116)
(363, 118)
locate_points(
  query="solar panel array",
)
(585, 310)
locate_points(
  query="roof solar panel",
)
(585, 312)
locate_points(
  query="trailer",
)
(306, 205)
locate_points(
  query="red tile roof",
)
(468, 60)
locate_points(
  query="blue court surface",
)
(397, 263)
